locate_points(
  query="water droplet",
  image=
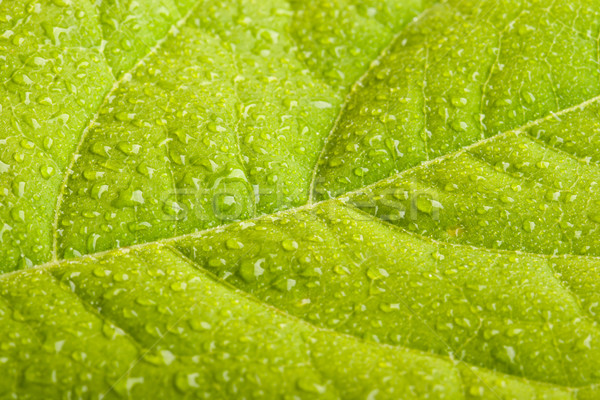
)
(360, 171)
(185, 382)
(200, 325)
(289, 244)
(129, 198)
(178, 286)
(128, 148)
(124, 117)
(595, 217)
(216, 262)
(528, 226)
(459, 101)
(99, 149)
(308, 385)
(375, 273)
(234, 244)
(47, 171)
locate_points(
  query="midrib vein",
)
(310, 203)
(345, 196)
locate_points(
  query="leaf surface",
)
(300, 199)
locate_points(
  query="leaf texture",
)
(300, 199)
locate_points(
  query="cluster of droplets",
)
(188, 335)
(345, 30)
(510, 193)
(389, 287)
(53, 78)
(183, 142)
(165, 328)
(434, 92)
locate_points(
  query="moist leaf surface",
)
(300, 199)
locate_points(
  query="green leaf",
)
(300, 199)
